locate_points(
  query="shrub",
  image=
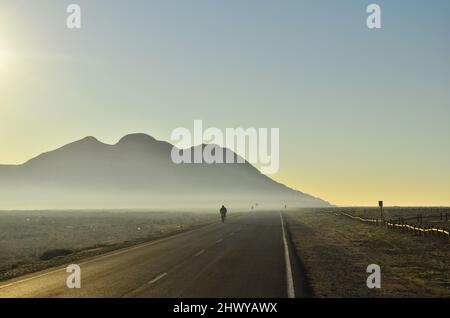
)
(47, 255)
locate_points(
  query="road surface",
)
(248, 256)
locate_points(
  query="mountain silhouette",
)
(137, 172)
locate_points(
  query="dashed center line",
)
(154, 280)
(218, 241)
(200, 253)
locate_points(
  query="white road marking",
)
(200, 253)
(231, 234)
(82, 263)
(218, 241)
(143, 287)
(100, 257)
(154, 280)
(287, 259)
(30, 278)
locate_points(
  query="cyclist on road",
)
(223, 213)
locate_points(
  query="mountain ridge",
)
(136, 170)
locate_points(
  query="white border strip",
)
(96, 258)
(287, 259)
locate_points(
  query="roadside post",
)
(380, 204)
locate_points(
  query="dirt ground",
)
(336, 251)
(26, 237)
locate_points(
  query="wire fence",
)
(407, 227)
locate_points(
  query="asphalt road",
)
(245, 257)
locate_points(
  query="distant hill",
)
(137, 172)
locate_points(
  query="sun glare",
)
(5, 59)
(2, 59)
(4, 54)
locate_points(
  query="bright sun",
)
(3, 53)
(3, 59)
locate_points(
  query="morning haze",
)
(363, 114)
(137, 173)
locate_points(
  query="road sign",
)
(380, 204)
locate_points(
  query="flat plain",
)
(336, 250)
(35, 240)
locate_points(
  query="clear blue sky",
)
(363, 114)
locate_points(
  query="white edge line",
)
(287, 259)
(100, 257)
(30, 278)
(95, 259)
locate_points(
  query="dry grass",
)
(337, 250)
(430, 216)
(35, 240)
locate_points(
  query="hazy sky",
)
(364, 115)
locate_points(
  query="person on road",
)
(223, 213)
